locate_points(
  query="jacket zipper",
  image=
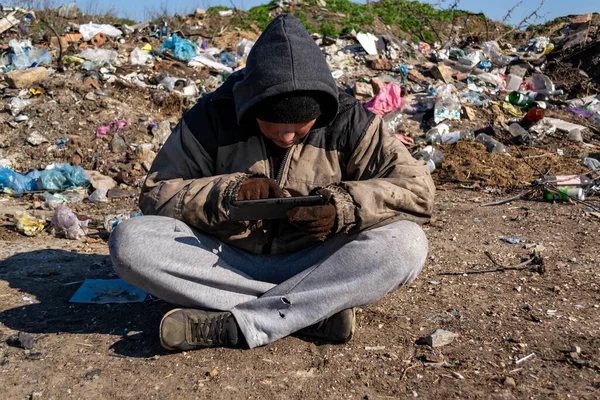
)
(282, 165)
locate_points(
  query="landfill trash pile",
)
(88, 101)
(103, 98)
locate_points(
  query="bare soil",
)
(112, 351)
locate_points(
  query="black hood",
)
(285, 59)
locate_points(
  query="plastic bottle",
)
(432, 156)
(518, 133)
(447, 104)
(520, 99)
(394, 120)
(434, 135)
(164, 31)
(492, 145)
(544, 86)
(453, 137)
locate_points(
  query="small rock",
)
(213, 372)
(116, 193)
(363, 91)
(90, 96)
(36, 138)
(161, 132)
(118, 145)
(556, 289)
(25, 340)
(433, 358)
(21, 118)
(93, 374)
(509, 382)
(98, 180)
(19, 79)
(575, 349)
(442, 73)
(381, 64)
(457, 375)
(416, 76)
(134, 335)
(439, 338)
(76, 160)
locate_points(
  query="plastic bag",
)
(17, 104)
(182, 49)
(52, 201)
(492, 50)
(99, 56)
(208, 61)
(28, 224)
(99, 195)
(13, 182)
(30, 58)
(62, 177)
(139, 57)
(65, 223)
(388, 99)
(243, 48)
(591, 163)
(90, 30)
(447, 104)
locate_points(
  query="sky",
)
(495, 9)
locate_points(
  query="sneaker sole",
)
(353, 330)
(163, 344)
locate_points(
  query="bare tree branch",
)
(510, 11)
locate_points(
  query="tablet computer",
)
(272, 208)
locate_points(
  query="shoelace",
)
(210, 331)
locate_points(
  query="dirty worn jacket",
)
(217, 145)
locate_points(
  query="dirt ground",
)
(112, 351)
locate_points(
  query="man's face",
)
(285, 135)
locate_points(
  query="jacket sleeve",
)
(181, 185)
(382, 182)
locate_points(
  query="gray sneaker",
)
(188, 329)
(339, 327)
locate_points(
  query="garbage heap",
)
(87, 107)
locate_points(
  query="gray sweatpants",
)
(270, 296)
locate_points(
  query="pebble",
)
(93, 374)
(439, 338)
(134, 335)
(90, 96)
(25, 340)
(508, 381)
(575, 349)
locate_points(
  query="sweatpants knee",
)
(127, 243)
(402, 250)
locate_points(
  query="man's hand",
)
(259, 188)
(315, 221)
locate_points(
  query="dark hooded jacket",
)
(217, 145)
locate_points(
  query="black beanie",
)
(290, 108)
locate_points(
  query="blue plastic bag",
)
(63, 176)
(183, 49)
(13, 182)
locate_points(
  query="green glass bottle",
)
(520, 99)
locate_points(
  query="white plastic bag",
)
(208, 61)
(99, 56)
(88, 31)
(243, 48)
(66, 224)
(139, 57)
